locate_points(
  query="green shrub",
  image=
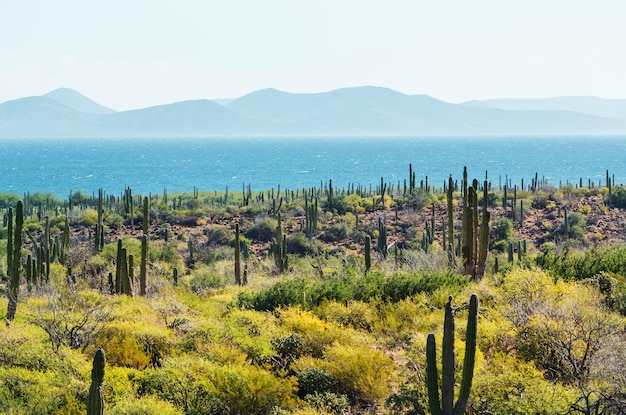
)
(263, 229)
(502, 229)
(329, 402)
(335, 233)
(205, 278)
(618, 197)
(88, 217)
(342, 288)
(146, 405)
(314, 380)
(218, 235)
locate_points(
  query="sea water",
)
(148, 166)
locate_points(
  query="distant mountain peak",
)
(355, 111)
(76, 101)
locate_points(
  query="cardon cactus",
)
(446, 405)
(237, 256)
(16, 262)
(95, 400)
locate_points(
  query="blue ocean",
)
(180, 164)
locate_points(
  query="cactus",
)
(95, 400)
(467, 227)
(504, 199)
(111, 283)
(145, 252)
(382, 239)
(175, 276)
(278, 248)
(237, 256)
(446, 405)
(450, 212)
(474, 238)
(330, 195)
(483, 235)
(383, 189)
(65, 243)
(245, 253)
(432, 225)
(124, 280)
(143, 267)
(310, 217)
(146, 216)
(99, 234)
(9, 241)
(368, 253)
(29, 276)
(118, 267)
(16, 261)
(131, 274)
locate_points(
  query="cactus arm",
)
(470, 356)
(447, 359)
(432, 378)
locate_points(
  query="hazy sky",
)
(136, 53)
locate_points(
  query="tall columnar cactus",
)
(143, 266)
(565, 223)
(29, 274)
(474, 235)
(124, 280)
(131, 274)
(383, 190)
(449, 197)
(483, 235)
(146, 216)
(95, 400)
(467, 230)
(444, 404)
(145, 249)
(278, 248)
(382, 239)
(237, 256)
(16, 261)
(432, 224)
(330, 195)
(65, 242)
(368, 253)
(310, 217)
(118, 267)
(9, 241)
(99, 234)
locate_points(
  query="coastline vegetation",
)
(315, 301)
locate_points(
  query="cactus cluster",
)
(123, 271)
(278, 248)
(310, 216)
(474, 239)
(443, 404)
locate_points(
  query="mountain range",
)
(358, 111)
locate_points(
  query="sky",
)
(128, 54)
